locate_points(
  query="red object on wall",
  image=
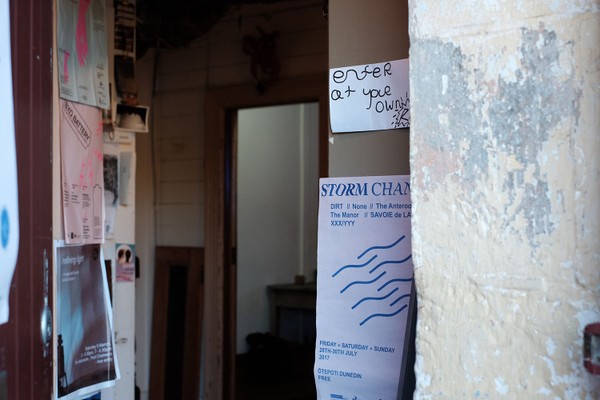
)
(591, 348)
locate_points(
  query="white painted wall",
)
(277, 179)
(506, 223)
(144, 227)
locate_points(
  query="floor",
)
(274, 369)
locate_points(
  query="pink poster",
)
(83, 52)
(82, 172)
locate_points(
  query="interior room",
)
(214, 74)
(218, 69)
(273, 201)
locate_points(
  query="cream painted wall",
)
(144, 227)
(506, 224)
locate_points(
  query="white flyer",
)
(9, 212)
(369, 97)
(82, 52)
(82, 156)
(364, 281)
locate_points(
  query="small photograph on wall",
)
(125, 263)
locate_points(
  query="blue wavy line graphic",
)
(375, 298)
(362, 282)
(395, 280)
(381, 247)
(383, 315)
(390, 262)
(398, 299)
(353, 266)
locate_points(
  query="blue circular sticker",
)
(4, 228)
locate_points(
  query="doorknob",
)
(46, 317)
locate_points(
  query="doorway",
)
(276, 196)
(222, 105)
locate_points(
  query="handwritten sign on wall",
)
(369, 97)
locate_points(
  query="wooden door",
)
(26, 359)
(177, 323)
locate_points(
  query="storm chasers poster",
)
(85, 342)
(365, 276)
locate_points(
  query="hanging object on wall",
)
(125, 267)
(369, 97)
(264, 60)
(9, 213)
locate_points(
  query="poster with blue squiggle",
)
(364, 282)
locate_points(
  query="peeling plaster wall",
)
(505, 162)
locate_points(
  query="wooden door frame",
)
(221, 104)
(23, 353)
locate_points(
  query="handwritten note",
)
(369, 97)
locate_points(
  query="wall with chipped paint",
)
(505, 161)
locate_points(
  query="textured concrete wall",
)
(505, 162)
